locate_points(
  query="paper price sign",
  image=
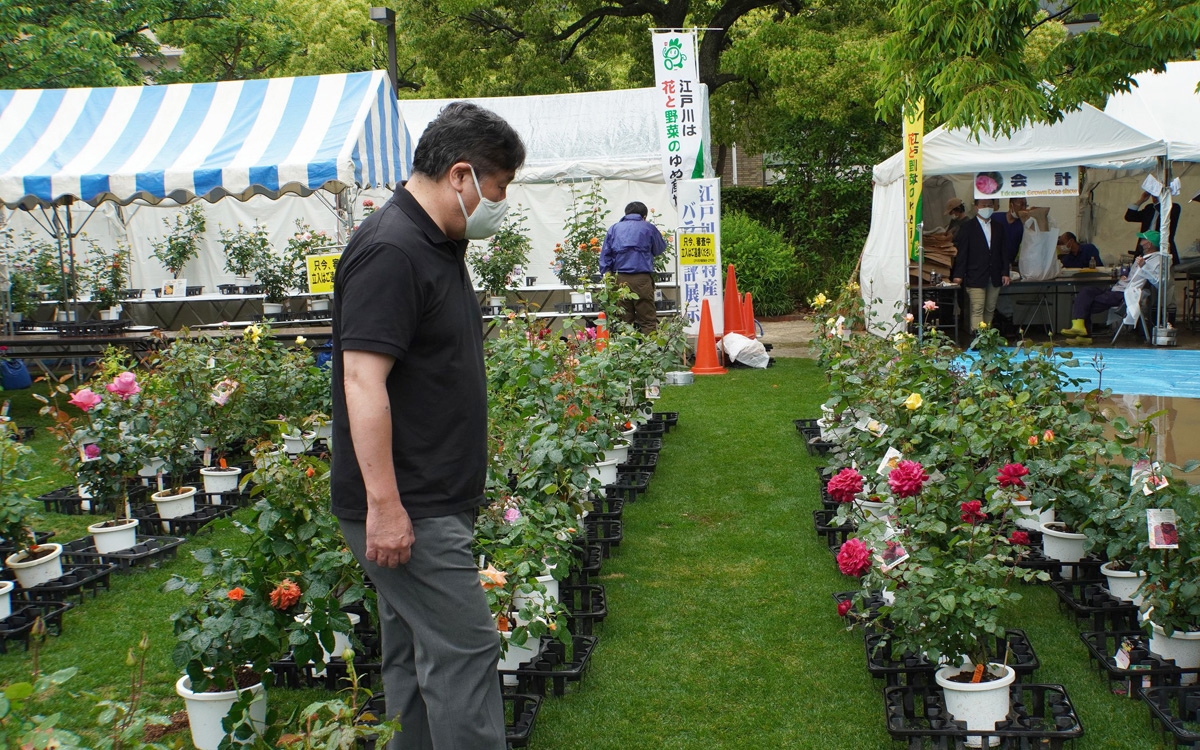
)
(320, 272)
(697, 249)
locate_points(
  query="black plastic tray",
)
(1177, 710)
(1091, 603)
(148, 552)
(520, 711)
(639, 462)
(186, 525)
(76, 581)
(17, 626)
(589, 560)
(586, 605)
(1146, 669)
(1041, 716)
(66, 500)
(554, 667)
(607, 532)
(645, 445)
(834, 536)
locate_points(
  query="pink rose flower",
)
(844, 485)
(907, 479)
(124, 385)
(1010, 475)
(85, 399)
(930, 305)
(91, 451)
(972, 512)
(512, 514)
(854, 558)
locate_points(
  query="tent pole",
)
(74, 306)
(1164, 246)
(921, 283)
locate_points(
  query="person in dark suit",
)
(1147, 217)
(982, 263)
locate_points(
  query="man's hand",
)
(957, 281)
(389, 532)
(1004, 280)
(1144, 197)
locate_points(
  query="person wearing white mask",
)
(982, 263)
(410, 421)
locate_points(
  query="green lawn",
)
(721, 629)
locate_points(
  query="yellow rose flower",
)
(982, 325)
(820, 301)
(913, 402)
(300, 341)
(252, 332)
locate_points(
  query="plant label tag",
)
(1121, 658)
(1160, 525)
(890, 459)
(892, 555)
(1155, 481)
(839, 328)
(208, 456)
(160, 482)
(978, 676)
(873, 426)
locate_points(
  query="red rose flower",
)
(236, 594)
(972, 511)
(844, 485)
(907, 479)
(1010, 475)
(854, 558)
(845, 607)
(1019, 538)
(285, 594)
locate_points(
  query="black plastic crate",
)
(1177, 709)
(911, 669)
(1091, 603)
(1087, 569)
(589, 560)
(871, 603)
(556, 666)
(575, 307)
(803, 424)
(1041, 716)
(520, 714)
(586, 605)
(1146, 669)
(645, 445)
(67, 500)
(669, 418)
(77, 580)
(834, 536)
(816, 446)
(148, 552)
(186, 525)
(639, 463)
(650, 430)
(630, 484)
(18, 625)
(606, 532)
(39, 537)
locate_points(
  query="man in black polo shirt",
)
(410, 422)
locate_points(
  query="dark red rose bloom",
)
(1010, 475)
(854, 558)
(844, 485)
(972, 511)
(1019, 538)
(845, 607)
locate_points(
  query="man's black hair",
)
(1071, 235)
(637, 207)
(466, 132)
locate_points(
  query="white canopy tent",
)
(611, 136)
(1165, 106)
(1086, 138)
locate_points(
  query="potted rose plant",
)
(182, 242)
(577, 257)
(32, 563)
(493, 265)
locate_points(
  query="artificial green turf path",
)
(721, 630)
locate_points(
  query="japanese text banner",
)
(914, 134)
(680, 118)
(1027, 183)
(699, 252)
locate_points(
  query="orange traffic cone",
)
(748, 316)
(601, 332)
(706, 346)
(733, 303)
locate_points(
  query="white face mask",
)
(984, 213)
(487, 217)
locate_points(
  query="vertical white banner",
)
(680, 117)
(698, 243)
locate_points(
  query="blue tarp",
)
(1143, 372)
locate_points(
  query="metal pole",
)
(1164, 246)
(393, 70)
(921, 283)
(74, 289)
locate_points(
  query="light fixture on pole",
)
(387, 17)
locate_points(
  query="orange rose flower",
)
(285, 594)
(236, 594)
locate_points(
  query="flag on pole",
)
(914, 133)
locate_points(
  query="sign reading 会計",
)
(320, 272)
(1027, 183)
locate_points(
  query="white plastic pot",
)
(151, 468)
(218, 480)
(516, 656)
(6, 588)
(318, 304)
(1063, 546)
(296, 444)
(1123, 583)
(32, 573)
(876, 510)
(110, 539)
(324, 431)
(170, 505)
(1183, 647)
(203, 443)
(272, 308)
(537, 597)
(341, 641)
(1031, 518)
(496, 301)
(206, 711)
(605, 471)
(618, 453)
(578, 298)
(980, 704)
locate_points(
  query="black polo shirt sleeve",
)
(381, 300)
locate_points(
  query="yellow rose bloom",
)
(820, 300)
(913, 402)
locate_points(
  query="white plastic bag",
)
(749, 352)
(1038, 260)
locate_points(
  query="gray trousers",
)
(642, 309)
(440, 646)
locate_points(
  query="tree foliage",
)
(983, 64)
(63, 43)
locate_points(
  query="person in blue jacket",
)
(628, 251)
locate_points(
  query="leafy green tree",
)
(62, 43)
(985, 64)
(252, 39)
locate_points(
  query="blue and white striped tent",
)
(207, 140)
